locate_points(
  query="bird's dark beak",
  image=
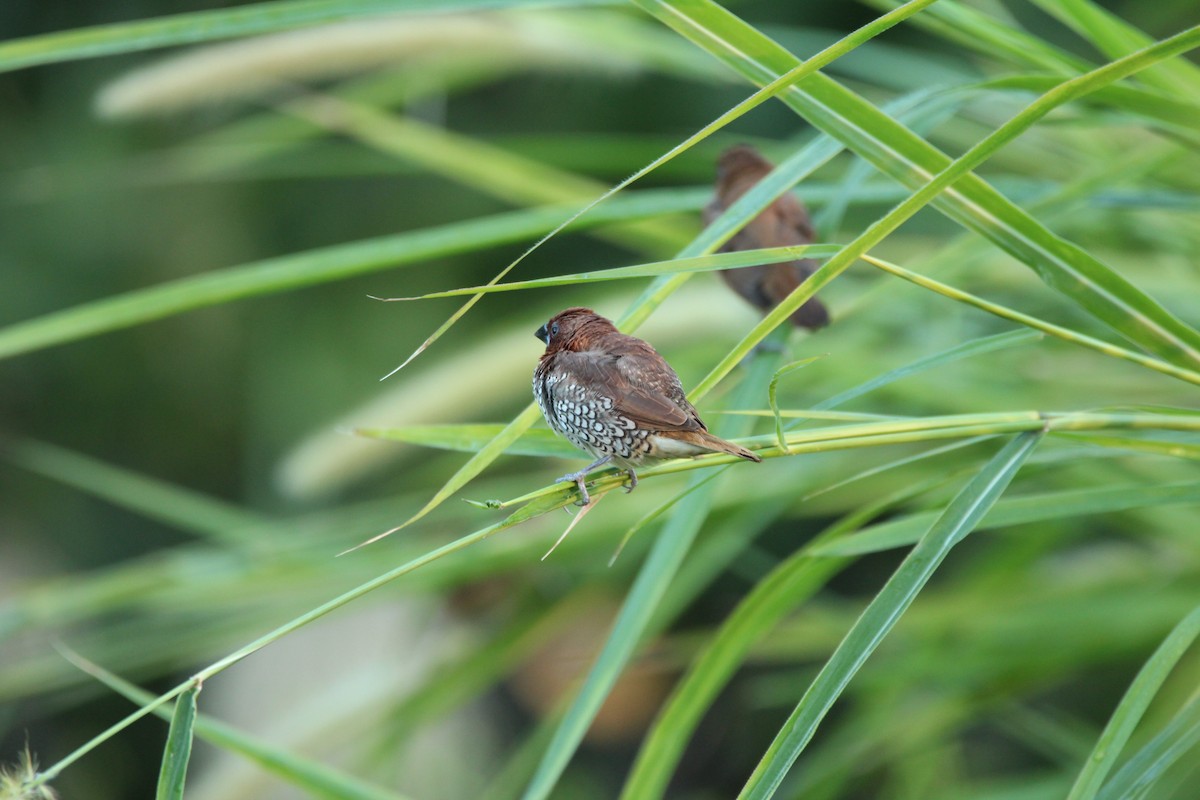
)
(543, 334)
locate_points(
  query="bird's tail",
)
(715, 443)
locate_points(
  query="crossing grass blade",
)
(956, 522)
(178, 750)
(1132, 706)
(1064, 266)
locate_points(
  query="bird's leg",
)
(578, 478)
(632, 480)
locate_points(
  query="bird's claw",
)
(577, 478)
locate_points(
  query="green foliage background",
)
(196, 207)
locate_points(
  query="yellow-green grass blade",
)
(893, 149)
(207, 26)
(959, 518)
(1115, 37)
(706, 263)
(178, 750)
(1132, 706)
(1066, 334)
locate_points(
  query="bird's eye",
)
(554, 329)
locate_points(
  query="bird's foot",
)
(578, 478)
(633, 481)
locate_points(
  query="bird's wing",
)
(632, 385)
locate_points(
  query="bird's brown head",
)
(573, 329)
(740, 164)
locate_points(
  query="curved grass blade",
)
(314, 778)
(959, 519)
(706, 263)
(1057, 331)
(207, 26)
(774, 385)
(295, 271)
(178, 750)
(1140, 773)
(1132, 706)
(897, 151)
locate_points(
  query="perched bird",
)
(785, 222)
(614, 396)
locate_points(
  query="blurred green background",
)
(174, 489)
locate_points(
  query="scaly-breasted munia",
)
(612, 395)
(785, 222)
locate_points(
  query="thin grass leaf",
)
(207, 26)
(771, 400)
(1115, 38)
(1066, 334)
(969, 349)
(1141, 772)
(895, 150)
(472, 438)
(285, 273)
(884, 611)
(315, 778)
(1132, 706)
(178, 750)
(1157, 447)
(707, 263)
(993, 38)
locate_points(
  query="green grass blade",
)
(897, 151)
(1132, 706)
(773, 386)
(317, 779)
(178, 750)
(1115, 37)
(207, 26)
(285, 273)
(993, 38)
(884, 611)
(706, 263)
(1066, 334)
(1141, 772)
(975, 347)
